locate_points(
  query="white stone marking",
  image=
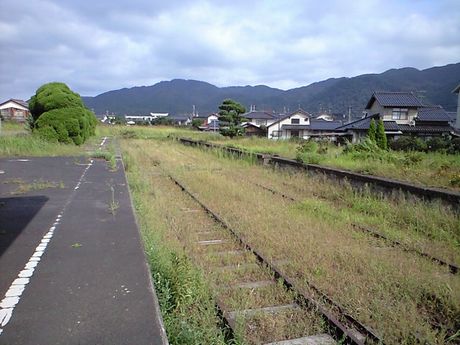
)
(5, 316)
(9, 302)
(31, 264)
(15, 291)
(18, 286)
(26, 273)
(20, 281)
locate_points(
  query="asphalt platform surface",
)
(72, 266)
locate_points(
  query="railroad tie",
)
(318, 339)
(232, 315)
(211, 242)
(253, 285)
(237, 267)
(230, 252)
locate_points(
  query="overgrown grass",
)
(430, 169)
(399, 294)
(185, 299)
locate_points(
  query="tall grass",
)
(185, 299)
(30, 145)
(399, 294)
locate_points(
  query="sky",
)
(101, 45)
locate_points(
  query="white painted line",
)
(17, 287)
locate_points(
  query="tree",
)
(59, 115)
(371, 133)
(380, 136)
(53, 96)
(230, 118)
(197, 123)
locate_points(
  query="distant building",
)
(289, 126)
(259, 118)
(402, 114)
(180, 120)
(457, 120)
(14, 110)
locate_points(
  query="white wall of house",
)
(262, 122)
(12, 104)
(387, 113)
(274, 130)
(14, 111)
(211, 118)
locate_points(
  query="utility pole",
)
(349, 113)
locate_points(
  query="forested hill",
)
(433, 85)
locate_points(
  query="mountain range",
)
(336, 95)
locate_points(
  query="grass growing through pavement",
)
(25, 187)
(399, 294)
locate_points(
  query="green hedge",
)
(53, 96)
(66, 125)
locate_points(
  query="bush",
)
(309, 157)
(66, 125)
(307, 146)
(53, 96)
(408, 143)
(437, 144)
(454, 147)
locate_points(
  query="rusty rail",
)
(348, 330)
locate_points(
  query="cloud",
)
(104, 45)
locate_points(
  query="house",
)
(457, 120)
(180, 120)
(259, 118)
(289, 126)
(14, 110)
(401, 107)
(251, 130)
(402, 114)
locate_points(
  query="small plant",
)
(455, 180)
(113, 205)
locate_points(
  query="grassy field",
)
(429, 169)
(399, 294)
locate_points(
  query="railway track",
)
(453, 269)
(386, 185)
(340, 326)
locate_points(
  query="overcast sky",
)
(101, 45)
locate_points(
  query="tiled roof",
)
(315, 125)
(322, 125)
(259, 115)
(425, 129)
(363, 124)
(18, 101)
(432, 114)
(394, 99)
(281, 117)
(295, 127)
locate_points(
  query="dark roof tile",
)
(395, 99)
(432, 114)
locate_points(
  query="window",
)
(400, 114)
(261, 122)
(295, 121)
(295, 134)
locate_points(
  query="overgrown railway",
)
(300, 295)
(340, 325)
